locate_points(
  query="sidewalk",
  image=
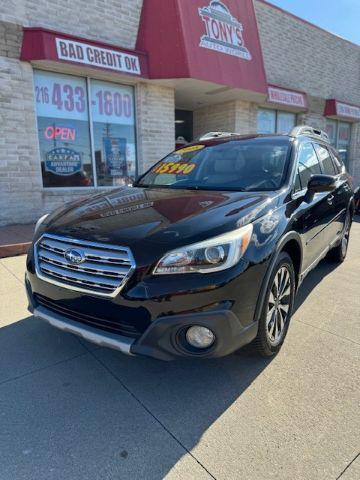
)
(15, 239)
(71, 410)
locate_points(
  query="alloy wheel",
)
(278, 306)
(346, 235)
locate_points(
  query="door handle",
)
(330, 199)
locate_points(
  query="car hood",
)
(157, 218)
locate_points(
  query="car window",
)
(252, 165)
(297, 183)
(339, 165)
(308, 163)
(326, 163)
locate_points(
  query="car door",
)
(338, 199)
(312, 216)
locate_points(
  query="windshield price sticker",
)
(194, 148)
(174, 168)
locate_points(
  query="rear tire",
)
(277, 309)
(338, 254)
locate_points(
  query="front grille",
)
(104, 269)
(120, 328)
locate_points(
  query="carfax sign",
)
(63, 161)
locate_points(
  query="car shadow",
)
(70, 387)
(70, 400)
(325, 267)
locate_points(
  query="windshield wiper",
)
(215, 189)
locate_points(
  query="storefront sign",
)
(58, 132)
(95, 56)
(212, 41)
(63, 161)
(334, 108)
(290, 98)
(344, 110)
(42, 44)
(224, 33)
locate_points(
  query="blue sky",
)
(338, 16)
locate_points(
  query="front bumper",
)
(162, 339)
(150, 315)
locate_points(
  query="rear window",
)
(339, 165)
(308, 163)
(326, 162)
(249, 165)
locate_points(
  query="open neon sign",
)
(60, 133)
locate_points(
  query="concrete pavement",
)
(71, 410)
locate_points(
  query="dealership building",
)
(94, 92)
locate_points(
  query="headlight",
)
(39, 222)
(213, 255)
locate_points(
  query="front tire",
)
(278, 307)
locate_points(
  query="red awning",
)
(46, 45)
(341, 110)
(206, 40)
(289, 98)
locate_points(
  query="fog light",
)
(200, 337)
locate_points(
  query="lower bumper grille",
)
(111, 326)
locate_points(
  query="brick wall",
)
(355, 153)
(155, 123)
(245, 117)
(300, 56)
(19, 161)
(214, 118)
(113, 21)
(238, 117)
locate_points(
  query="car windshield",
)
(258, 164)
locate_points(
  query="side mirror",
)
(320, 183)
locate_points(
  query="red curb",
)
(14, 249)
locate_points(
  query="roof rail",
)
(310, 131)
(211, 135)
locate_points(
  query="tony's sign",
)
(224, 33)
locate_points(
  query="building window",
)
(340, 137)
(275, 121)
(86, 131)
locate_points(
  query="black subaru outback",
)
(203, 254)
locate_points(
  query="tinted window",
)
(325, 160)
(258, 164)
(308, 163)
(297, 183)
(340, 167)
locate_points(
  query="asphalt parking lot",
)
(69, 410)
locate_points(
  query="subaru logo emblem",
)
(75, 256)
